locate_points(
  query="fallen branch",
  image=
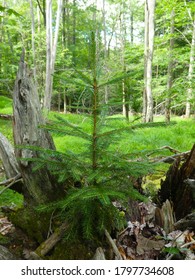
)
(113, 245)
(171, 159)
(163, 148)
(48, 244)
(11, 180)
(6, 117)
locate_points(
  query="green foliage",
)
(98, 175)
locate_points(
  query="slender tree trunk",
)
(105, 49)
(149, 48)
(190, 73)
(33, 41)
(47, 96)
(74, 33)
(125, 100)
(51, 50)
(170, 70)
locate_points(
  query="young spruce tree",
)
(98, 176)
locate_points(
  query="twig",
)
(187, 244)
(8, 186)
(6, 117)
(165, 147)
(170, 159)
(11, 180)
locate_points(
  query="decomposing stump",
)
(40, 186)
(7, 155)
(179, 186)
(10, 166)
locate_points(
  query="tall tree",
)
(148, 53)
(170, 69)
(33, 40)
(191, 70)
(51, 50)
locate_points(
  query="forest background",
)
(60, 44)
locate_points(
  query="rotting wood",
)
(5, 254)
(7, 155)
(6, 116)
(171, 159)
(40, 186)
(99, 254)
(49, 244)
(178, 186)
(113, 245)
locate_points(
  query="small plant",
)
(98, 176)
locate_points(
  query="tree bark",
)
(170, 71)
(179, 186)
(190, 73)
(5, 254)
(148, 52)
(7, 155)
(39, 186)
(51, 50)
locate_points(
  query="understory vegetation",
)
(135, 141)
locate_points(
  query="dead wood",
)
(49, 244)
(187, 222)
(11, 180)
(99, 254)
(7, 155)
(5, 254)
(6, 117)
(113, 245)
(178, 186)
(13, 184)
(171, 159)
(40, 186)
(164, 217)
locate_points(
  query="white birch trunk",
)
(190, 73)
(149, 48)
(51, 50)
(105, 48)
(170, 70)
(33, 41)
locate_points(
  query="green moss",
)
(67, 250)
(10, 199)
(35, 225)
(4, 240)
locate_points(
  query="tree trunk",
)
(105, 49)
(125, 100)
(148, 52)
(170, 71)
(51, 51)
(33, 41)
(39, 186)
(190, 73)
